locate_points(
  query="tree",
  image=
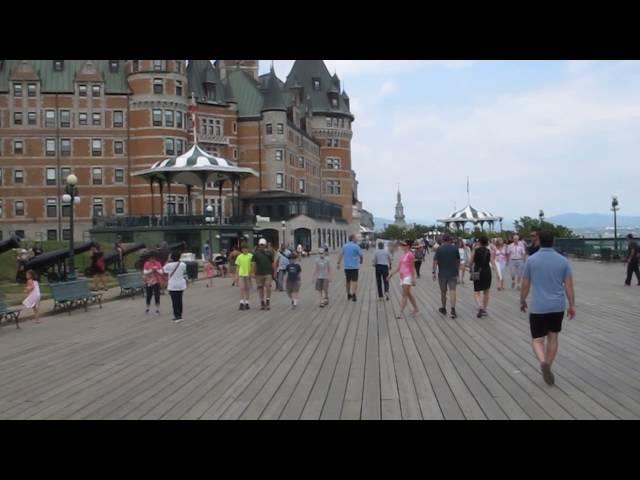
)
(524, 226)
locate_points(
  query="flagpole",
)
(193, 119)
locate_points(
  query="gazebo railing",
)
(133, 221)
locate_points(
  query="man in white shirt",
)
(516, 256)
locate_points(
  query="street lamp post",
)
(284, 232)
(71, 196)
(541, 216)
(208, 220)
(614, 209)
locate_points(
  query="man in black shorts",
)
(548, 275)
(352, 259)
(446, 260)
(632, 260)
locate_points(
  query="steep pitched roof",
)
(273, 98)
(53, 81)
(304, 72)
(247, 93)
(200, 72)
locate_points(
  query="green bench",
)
(70, 294)
(131, 283)
(9, 313)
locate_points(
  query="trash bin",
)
(192, 270)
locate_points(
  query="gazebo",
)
(472, 215)
(196, 168)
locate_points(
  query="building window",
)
(168, 118)
(157, 65)
(168, 146)
(52, 235)
(1, 212)
(179, 123)
(118, 176)
(280, 129)
(179, 147)
(0, 177)
(58, 65)
(50, 148)
(83, 118)
(279, 180)
(65, 147)
(157, 86)
(316, 84)
(50, 118)
(269, 129)
(329, 122)
(118, 119)
(301, 185)
(235, 153)
(95, 90)
(18, 147)
(333, 187)
(335, 142)
(98, 207)
(329, 142)
(66, 234)
(17, 89)
(82, 90)
(119, 204)
(178, 88)
(31, 118)
(96, 147)
(235, 127)
(157, 118)
(52, 207)
(96, 119)
(218, 128)
(178, 67)
(300, 162)
(65, 118)
(333, 163)
(118, 147)
(51, 176)
(17, 118)
(32, 89)
(342, 123)
(114, 66)
(136, 65)
(96, 175)
(65, 172)
(20, 233)
(279, 155)
(19, 208)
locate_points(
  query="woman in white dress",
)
(465, 254)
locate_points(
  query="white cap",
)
(262, 241)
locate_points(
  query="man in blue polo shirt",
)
(352, 260)
(548, 274)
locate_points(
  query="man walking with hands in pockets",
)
(548, 275)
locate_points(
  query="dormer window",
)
(210, 91)
(157, 65)
(334, 102)
(58, 65)
(316, 84)
(113, 66)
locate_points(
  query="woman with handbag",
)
(480, 268)
(177, 284)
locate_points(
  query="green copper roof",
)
(246, 92)
(63, 82)
(200, 72)
(273, 99)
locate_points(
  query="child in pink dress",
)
(33, 295)
(209, 270)
(407, 269)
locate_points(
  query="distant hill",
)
(592, 220)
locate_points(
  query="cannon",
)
(111, 259)
(162, 253)
(9, 244)
(51, 264)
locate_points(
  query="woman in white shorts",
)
(465, 254)
(407, 269)
(500, 253)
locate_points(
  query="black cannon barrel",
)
(42, 262)
(9, 243)
(161, 252)
(113, 256)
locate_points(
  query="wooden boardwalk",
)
(347, 361)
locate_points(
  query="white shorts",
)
(406, 281)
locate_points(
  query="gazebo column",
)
(161, 187)
(204, 195)
(189, 210)
(220, 185)
(233, 196)
(153, 210)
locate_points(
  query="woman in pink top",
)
(153, 277)
(209, 270)
(500, 257)
(407, 269)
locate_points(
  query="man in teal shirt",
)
(352, 260)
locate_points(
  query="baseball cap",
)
(262, 241)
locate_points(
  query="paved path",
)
(347, 361)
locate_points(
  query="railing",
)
(594, 248)
(169, 220)
(218, 139)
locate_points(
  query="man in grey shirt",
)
(446, 260)
(382, 264)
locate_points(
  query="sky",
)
(561, 136)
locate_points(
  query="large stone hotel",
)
(105, 120)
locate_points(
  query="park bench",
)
(131, 283)
(9, 313)
(76, 292)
